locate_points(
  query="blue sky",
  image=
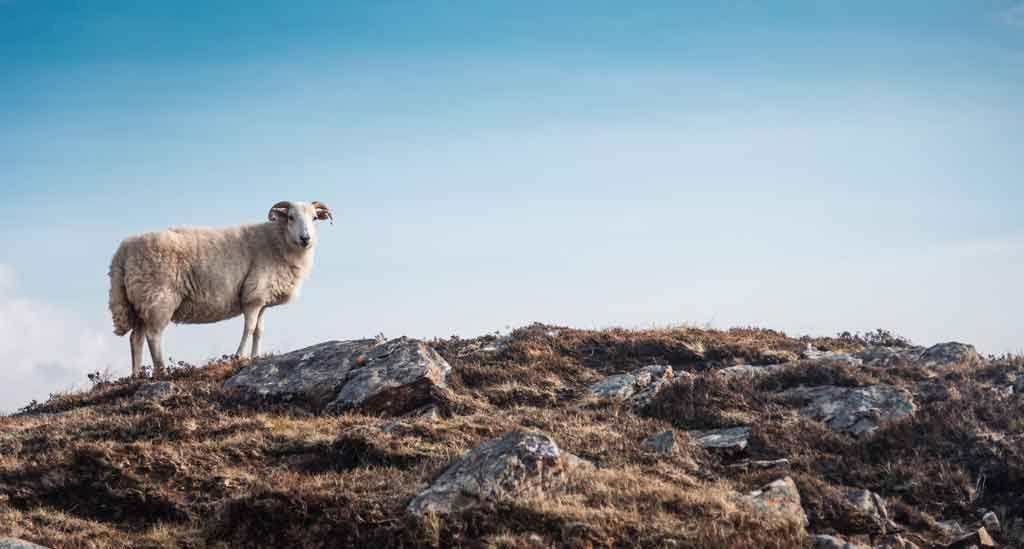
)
(806, 166)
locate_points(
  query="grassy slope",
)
(200, 469)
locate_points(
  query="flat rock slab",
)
(761, 464)
(751, 370)
(779, 497)
(498, 469)
(856, 410)
(732, 438)
(372, 376)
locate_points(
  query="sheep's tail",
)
(120, 309)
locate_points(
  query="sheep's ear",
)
(323, 211)
(279, 211)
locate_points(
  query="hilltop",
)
(545, 437)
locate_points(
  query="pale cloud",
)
(1013, 16)
(45, 348)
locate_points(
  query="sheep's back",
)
(202, 268)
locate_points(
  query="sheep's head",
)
(298, 219)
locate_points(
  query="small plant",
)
(30, 407)
(99, 378)
(877, 338)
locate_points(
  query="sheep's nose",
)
(304, 239)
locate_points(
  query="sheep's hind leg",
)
(154, 340)
(136, 340)
(251, 316)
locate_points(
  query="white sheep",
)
(202, 275)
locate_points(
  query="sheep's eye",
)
(291, 217)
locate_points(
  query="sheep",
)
(193, 275)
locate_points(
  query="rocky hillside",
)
(547, 437)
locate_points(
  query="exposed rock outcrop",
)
(506, 467)
(856, 410)
(387, 377)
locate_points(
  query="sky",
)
(812, 167)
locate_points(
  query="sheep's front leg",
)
(251, 316)
(258, 333)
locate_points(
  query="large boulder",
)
(387, 377)
(856, 410)
(498, 469)
(949, 354)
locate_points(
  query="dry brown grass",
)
(200, 469)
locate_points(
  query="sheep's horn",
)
(323, 211)
(280, 207)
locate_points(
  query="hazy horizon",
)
(812, 167)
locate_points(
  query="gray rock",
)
(652, 374)
(15, 543)
(978, 538)
(1002, 391)
(779, 497)
(1018, 385)
(154, 391)
(663, 442)
(392, 377)
(832, 542)
(951, 527)
(639, 386)
(872, 505)
(732, 438)
(749, 370)
(885, 357)
(503, 468)
(617, 387)
(949, 354)
(832, 356)
(644, 397)
(760, 464)
(856, 410)
(991, 521)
